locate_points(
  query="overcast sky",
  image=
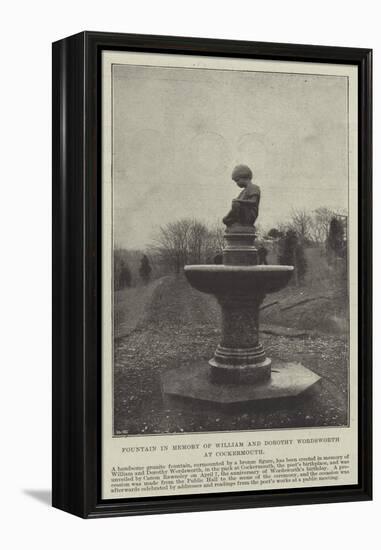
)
(178, 133)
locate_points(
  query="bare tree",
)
(215, 240)
(197, 241)
(181, 242)
(301, 223)
(170, 244)
(187, 241)
(320, 224)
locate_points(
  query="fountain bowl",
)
(252, 279)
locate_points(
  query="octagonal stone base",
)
(194, 383)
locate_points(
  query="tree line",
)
(191, 241)
(311, 228)
(304, 229)
(123, 274)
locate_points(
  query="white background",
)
(27, 29)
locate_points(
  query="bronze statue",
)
(245, 207)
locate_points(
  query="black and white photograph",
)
(230, 248)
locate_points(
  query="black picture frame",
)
(77, 273)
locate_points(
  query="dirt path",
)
(130, 306)
(180, 326)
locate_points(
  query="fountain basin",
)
(251, 279)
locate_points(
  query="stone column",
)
(240, 357)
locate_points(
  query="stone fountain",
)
(239, 372)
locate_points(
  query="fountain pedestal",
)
(240, 357)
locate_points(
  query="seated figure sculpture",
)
(245, 207)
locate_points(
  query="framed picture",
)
(212, 274)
